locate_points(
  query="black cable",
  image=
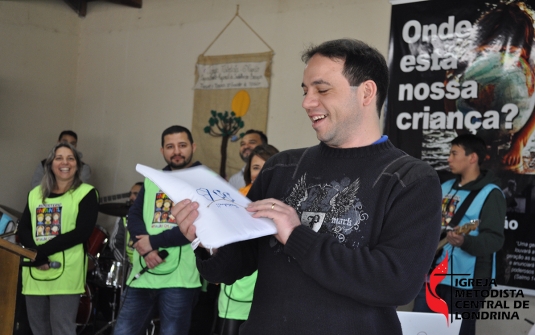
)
(229, 296)
(226, 310)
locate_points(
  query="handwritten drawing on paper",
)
(223, 217)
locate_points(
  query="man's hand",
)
(185, 213)
(143, 244)
(284, 216)
(153, 260)
(455, 239)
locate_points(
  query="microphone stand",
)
(122, 281)
(11, 233)
(125, 270)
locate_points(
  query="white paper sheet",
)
(223, 218)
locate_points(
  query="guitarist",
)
(473, 253)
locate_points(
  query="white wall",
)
(136, 69)
(38, 64)
(121, 75)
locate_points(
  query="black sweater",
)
(376, 211)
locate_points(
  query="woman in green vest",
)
(54, 282)
(235, 300)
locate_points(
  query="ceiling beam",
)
(80, 6)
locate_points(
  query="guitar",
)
(114, 197)
(465, 229)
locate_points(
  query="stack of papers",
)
(223, 218)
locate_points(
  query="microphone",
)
(163, 254)
(52, 265)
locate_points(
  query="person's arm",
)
(168, 238)
(390, 267)
(136, 224)
(86, 172)
(392, 271)
(25, 229)
(491, 235)
(25, 234)
(85, 223)
(230, 263)
(138, 230)
(37, 175)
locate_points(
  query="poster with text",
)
(469, 67)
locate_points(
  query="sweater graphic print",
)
(332, 208)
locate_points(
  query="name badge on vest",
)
(162, 212)
(48, 223)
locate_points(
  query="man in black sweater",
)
(357, 219)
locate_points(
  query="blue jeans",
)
(140, 306)
(420, 303)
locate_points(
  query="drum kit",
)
(105, 274)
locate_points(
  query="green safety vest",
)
(179, 268)
(235, 300)
(54, 217)
(129, 249)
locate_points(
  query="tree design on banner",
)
(226, 125)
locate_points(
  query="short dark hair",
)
(69, 133)
(472, 144)
(361, 62)
(263, 136)
(139, 183)
(264, 151)
(177, 129)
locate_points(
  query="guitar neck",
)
(442, 243)
(460, 230)
(114, 197)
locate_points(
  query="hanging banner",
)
(231, 97)
(469, 66)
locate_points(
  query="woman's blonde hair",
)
(48, 183)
